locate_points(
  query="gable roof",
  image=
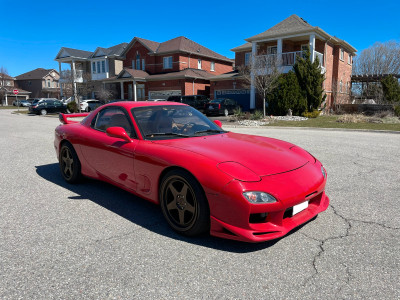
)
(116, 50)
(178, 44)
(243, 47)
(186, 73)
(6, 77)
(76, 53)
(295, 25)
(291, 25)
(183, 44)
(38, 73)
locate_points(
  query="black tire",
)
(70, 166)
(184, 204)
(226, 112)
(43, 112)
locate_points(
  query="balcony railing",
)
(70, 76)
(288, 59)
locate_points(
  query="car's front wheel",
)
(70, 165)
(43, 112)
(226, 112)
(184, 204)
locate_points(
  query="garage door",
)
(242, 97)
(163, 94)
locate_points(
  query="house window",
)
(167, 62)
(272, 50)
(199, 64)
(98, 67)
(212, 68)
(93, 67)
(138, 61)
(341, 86)
(247, 58)
(349, 59)
(341, 54)
(48, 83)
(103, 66)
(143, 65)
(133, 64)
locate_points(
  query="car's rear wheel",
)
(43, 112)
(184, 204)
(226, 112)
(70, 165)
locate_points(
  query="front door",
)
(112, 158)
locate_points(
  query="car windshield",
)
(173, 121)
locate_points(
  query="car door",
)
(111, 158)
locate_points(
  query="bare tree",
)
(4, 77)
(266, 72)
(105, 94)
(381, 58)
(341, 94)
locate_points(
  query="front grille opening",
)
(288, 213)
(262, 233)
(226, 231)
(258, 218)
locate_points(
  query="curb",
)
(312, 128)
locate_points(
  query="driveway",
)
(94, 241)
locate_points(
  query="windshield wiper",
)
(166, 134)
(210, 130)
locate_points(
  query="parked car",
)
(90, 104)
(197, 101)
(221, 106)
(23, 103)
(44, 107)
(201, 175)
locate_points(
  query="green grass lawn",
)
(331, 122)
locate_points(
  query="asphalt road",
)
(94, 241)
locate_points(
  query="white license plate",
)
(210, 107)
(300, 207)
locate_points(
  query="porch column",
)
(74, 81)
(279, 52)
(122, 89)
(252, 88)
(134, 90)
(60, 83)
(312, 47)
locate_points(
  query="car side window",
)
(113, 117)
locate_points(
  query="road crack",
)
(323, 242)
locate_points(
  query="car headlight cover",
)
(259, 197)
(323, 171)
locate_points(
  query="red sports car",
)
(206, 179)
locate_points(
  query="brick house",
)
(90, 68)
(286, 41)
(7, 86)
(42, 83)
(178, 66)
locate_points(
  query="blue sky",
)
(33, 32)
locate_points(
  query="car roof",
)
(132, 104)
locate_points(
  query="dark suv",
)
(197, 101)
(47, 106)
(222, 106)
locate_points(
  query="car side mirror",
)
(118, 132)
(218, 123)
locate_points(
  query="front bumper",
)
(235, 218)
(276, 225)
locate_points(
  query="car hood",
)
(264, 156)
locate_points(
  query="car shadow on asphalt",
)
(141, 212)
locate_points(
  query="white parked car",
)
(89, 104)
